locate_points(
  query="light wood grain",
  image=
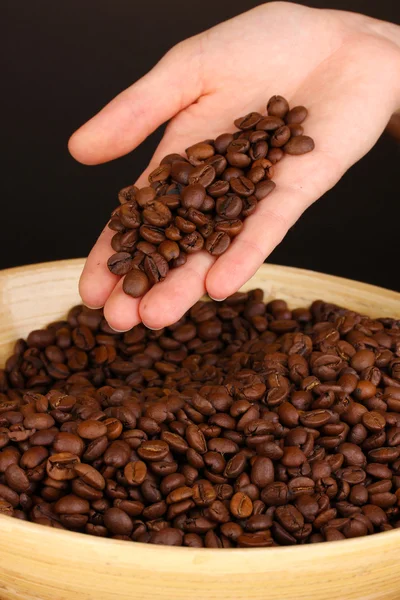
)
(37, 563)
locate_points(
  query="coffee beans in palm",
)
(200, 200)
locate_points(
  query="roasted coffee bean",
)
(118, 522)
(192, 242)
(300, 144)
(193, 196)
(203, 175)
(280, 136)
(145, 196)
(230, 227)
(229, 207)
(16, 478)
(277, 107)
(153, 450)
(242, 186)
(263, 189)
(270, 123)
(241, 506)
(296, 115)
(61, 467)
(120, 263)
(91, 430)
(155, 267)
(217, 189)
(136, 283)
(217, 243)
(249, 121)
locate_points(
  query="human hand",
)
(344, 67)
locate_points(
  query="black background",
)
(63, 60)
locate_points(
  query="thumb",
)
(172, 85)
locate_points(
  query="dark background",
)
(63, 60)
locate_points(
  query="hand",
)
(344, 67)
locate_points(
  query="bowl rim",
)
(296, 552)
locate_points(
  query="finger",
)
(121, 311)
(334, 123)
(97, 282)
(167, 302)
(265, 228)
(174, 83)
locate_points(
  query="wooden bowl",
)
(39, 563)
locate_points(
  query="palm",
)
(325, 60)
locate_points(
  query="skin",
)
(344, 67)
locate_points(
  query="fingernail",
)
(118, 330)
(152, 328)
(92, 307)
(218, 299)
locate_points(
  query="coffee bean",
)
(217, 243)
(242, 186)
(231, 227)
(16, 478)
(218, 189)
(153, 450)
(193, 196)
(238, 159)
(262, 471)
(118, 522)
(296, 115)
(161, 173)
(299, 145)
(155, 267)
(180, 172)
(90, 430)
(203, 175)
(167, 537)
(169, 250)
(71, 504)
(229, 207)
(90, 476)
(199, 152)
(280, 137)
(120, 263)
(296, 129)
(249, 121)
(222, 142)
(145, 196)
(136, 283)
(263, 188)
(151, 234)
(192, 242)
(270, 123)
(241, 506)
(127, 194)
(277, 106)
(290, 518)
(157, 214)
(129, 215)
(61, 467)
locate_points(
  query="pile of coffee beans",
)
(200, 202)
(245, 424)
